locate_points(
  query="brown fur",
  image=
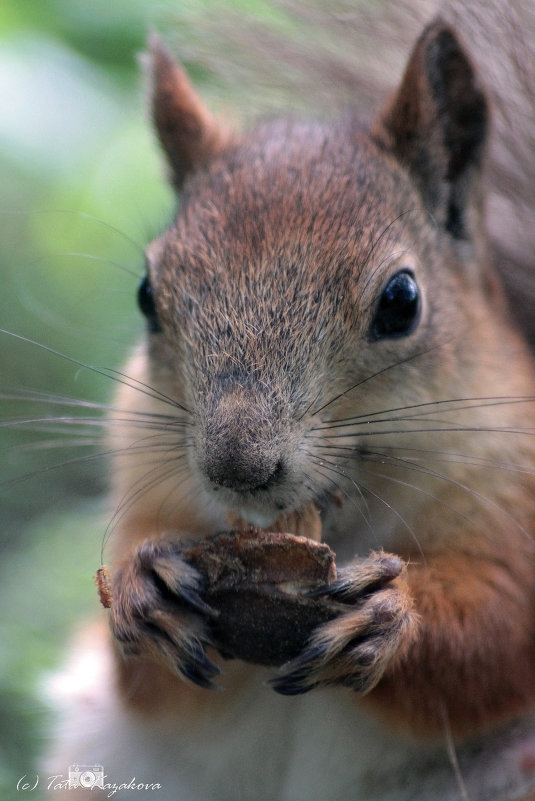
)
(152, 689)
(474, 656)
(347, 52)
(250, 402)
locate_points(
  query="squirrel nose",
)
(243, 474)
(237, 447)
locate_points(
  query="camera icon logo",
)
(87, 776)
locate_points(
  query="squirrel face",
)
(317, 274)
(293, 272)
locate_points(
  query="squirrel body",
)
(312, 746)
(325, 323)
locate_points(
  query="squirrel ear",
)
(188, 133)
(436, 125)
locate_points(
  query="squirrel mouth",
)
(303, 522)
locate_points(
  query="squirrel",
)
(326, 326)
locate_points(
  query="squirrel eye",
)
(398, 311)
(145, 301)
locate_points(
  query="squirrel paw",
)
(355, 649)
(157, 611)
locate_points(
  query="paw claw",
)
(359, 580)
(355, 648)
(295, 679)
(292, 684)
(157, 611)
(193, 599)
(200, 677)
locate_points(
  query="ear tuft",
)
(436, 125)
(188, 133)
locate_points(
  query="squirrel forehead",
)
(288, 189)
(276, 230)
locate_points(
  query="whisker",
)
(92, 257)
(463, 458)
(309, 407)
(383, 370)
(452, 754)
(52, 399)
(115, 375)
(528, 431)
(147, 445)
(150, 391)
(422, 491)
(472, 403)
(349, 451)
(184, 476)
(364, 513)
(51, 444)
(454, 482)
(337, 469)
(140, 488)
(90, 457)
(82, 215)
(44, 424)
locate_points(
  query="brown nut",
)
(256, 581)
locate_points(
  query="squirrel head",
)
(312, 269)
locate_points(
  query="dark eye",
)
(145, 300)
(399, 307)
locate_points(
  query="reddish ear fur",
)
(188, 133)
(436, 124)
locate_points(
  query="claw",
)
(199, 668)
(308, 656)
(200, 677)
(195, 600)
(158, 611)
(325, 590)
(354, 649)
(368, 576)
(297, 671)
(175, 581)
(189, 658)
(291, 684)
(198, 655)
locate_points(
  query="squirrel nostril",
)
(244, 474)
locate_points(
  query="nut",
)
(257, 582)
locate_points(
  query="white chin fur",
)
(257, 518)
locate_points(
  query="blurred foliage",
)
(82, 191)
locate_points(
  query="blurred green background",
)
(81, 192)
